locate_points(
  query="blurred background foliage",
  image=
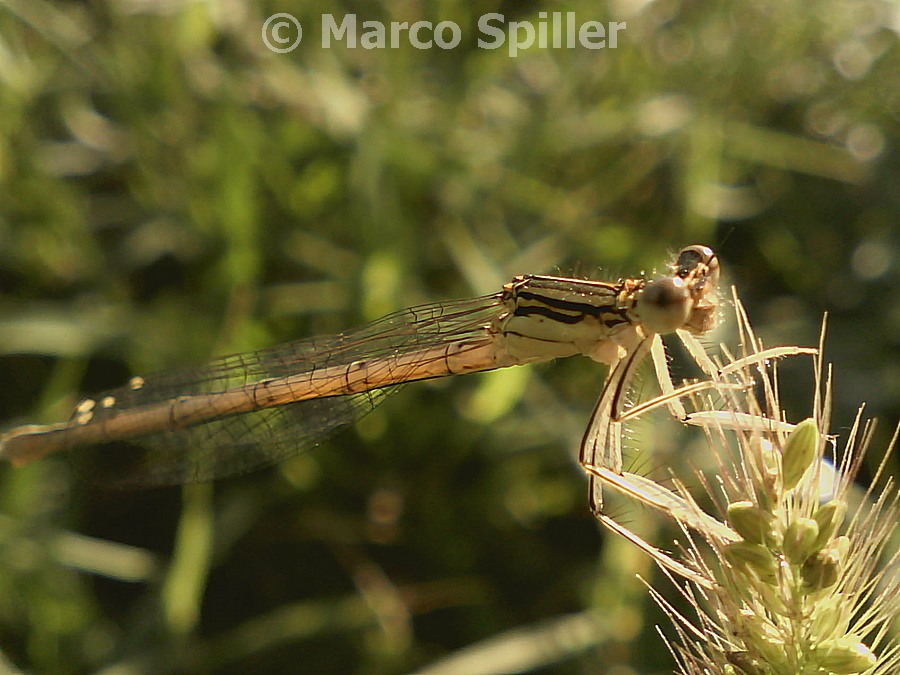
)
(170, 189)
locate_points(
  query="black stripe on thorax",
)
(568, 305)
(608, 315)
(550, 314)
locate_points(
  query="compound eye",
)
(665, 305)
(692, 257)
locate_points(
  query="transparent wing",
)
(233, 444)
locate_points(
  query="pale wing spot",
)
(136, 382)
(86, 406)
(108, 401)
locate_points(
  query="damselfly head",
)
(698, 266)
(685, 300)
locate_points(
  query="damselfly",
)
(245, 411)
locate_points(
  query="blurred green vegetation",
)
(170, 189)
